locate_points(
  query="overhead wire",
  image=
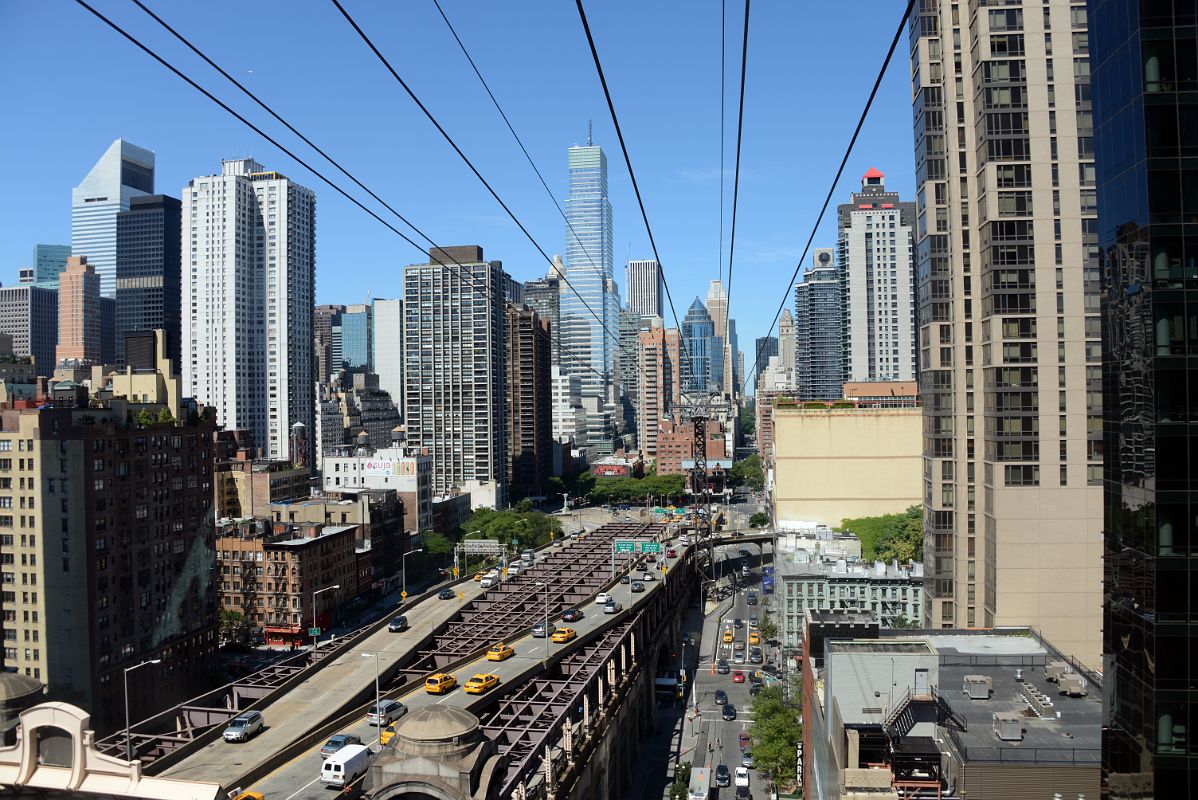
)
(740, 124)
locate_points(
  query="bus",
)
(700, 788)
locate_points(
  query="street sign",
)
(461, 595)
(625, 547)
(482, 547)
(403, 595)
(313, 631)
(650, 547)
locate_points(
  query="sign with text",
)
(482, 547)
(625, 547)
(631, 546)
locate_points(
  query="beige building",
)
(78, 313)
(1010, 352)
(834, 463)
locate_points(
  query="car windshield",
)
(239, 723)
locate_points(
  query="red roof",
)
(873, 173)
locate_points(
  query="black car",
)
(398, 624)
(625, 579)
(637, 586)
(754, 689)
(738, 623)
(721, 697)
(722, 667)
(729, 713)
(445, 594)
(572, 615)
(722, 776)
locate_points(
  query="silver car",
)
(243, 726)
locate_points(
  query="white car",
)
(742, 777)
(602, 598)
(243, 726)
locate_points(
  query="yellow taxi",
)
(387, 735)
(250, 796)
(440, 683)
(478, 576)
(483, 682)
(727, 636)
(563, 635)
(500, 652)
(754, 637)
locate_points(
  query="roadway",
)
(299, 778)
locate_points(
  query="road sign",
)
(625, 547)
(482, 547)
(461, 595)
(403, 595)
(650, 547)
(313, 631)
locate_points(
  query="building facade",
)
(569, 417)
(148, 263)
(49, 260)
(819, 351)
(876, 251)
(79, 323)
(455, 366)
(248, 300)
(325, 319)
(124, 171)
(628, 369)
(357, 337)
(353, 410)
(1010, 351)
(529, 401)
(544, 296)
(660, 377)
(1145, 140)
(388, 348)
(395, 469)
(765, 347)
(698, 341)
(787, 347)
(646, 288)
(29, 314)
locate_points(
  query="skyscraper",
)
(818, 331)
(786, 342)
(248, 301)
(388, 348)
(455, 367)
(723, 338)
(530, 417)
(588, 265)
(124, 171)
(328, 357)
(79, 343)
(1010, 362)
(49, 260)
(646, 288)
(660, 386)
(29, 314)
(698, 334)
(627, 359)
(357, 337)
(543, 295)
(766, 346)
(877, 283)
(148, 286)
(1144, 109)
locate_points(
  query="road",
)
(299, 778)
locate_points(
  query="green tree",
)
(748, 420)
(144, 419)
(759, 520)
(775, 733)
(437, 544)
(682, 782)
(164, 415)
(767, 628)
(890, 536)
(233, 624)
(749, 471)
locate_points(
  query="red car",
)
(651, 559)
(671, 553)
(743, 740)
(738, 676)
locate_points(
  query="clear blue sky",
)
(69, 86)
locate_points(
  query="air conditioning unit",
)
(977, 687)
(1008, 727)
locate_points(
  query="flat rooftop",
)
(325, 532)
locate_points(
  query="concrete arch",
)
(418, 789)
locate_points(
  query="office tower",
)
(107, 330)
(529, 398)
(49, 260)
(148, 271)
(543, 295)
(627, 361)
(455, 375)
(324, 319)
(646, 288)
(875, 244)
(1010, 355)
(588, 264)
(786, 341)
(723, 348)
(766, 346)
(114, 562)
(819, 351)
(29, 314)
(357, 337)
(660, 376)
(247, 299)
(697, 335)
(733, 366)
(1145, 111)
(569, 418)
(388, 348)
(124, 171)
(78, 315)
(350, 406)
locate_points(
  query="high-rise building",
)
(388, 348)
(1010, 360)
(529, 398)
(357, 337)
(324, 319)
(698, 334)
(646, 288)
(543, 296)
(455, 367)
(115, 557)
(875, 246)
(29, 314)
(124, 171)
(628, 362)
(350, 405)
(248, 301)
(148, 271)
(590, 304)
(49, 260)
(1145, 109)
(819, 351)
(766, 346)
(724, 345)
(660, 387)
(569, 417)
(79, 342)
(786, 342)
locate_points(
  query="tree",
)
(759, 520)
(437, 544)
(749, 471)
(682, 782)
(767, 628)
(233, 624)
(144, 419)
(164, 415)
(890, 536)
(775, 732)
(748, 420)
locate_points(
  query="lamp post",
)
(404, 592)
(546, 585)
(128, 733)
(379, 727)
(316, 637)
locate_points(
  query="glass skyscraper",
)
(357, 337)
(699, 339)
(588, 265)
(148, 271)
(49, 260)
(123, 172)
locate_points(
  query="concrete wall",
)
(831, 464)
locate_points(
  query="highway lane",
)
(299, 778)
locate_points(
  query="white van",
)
(489, 581)
(345, 766)
(528, 557)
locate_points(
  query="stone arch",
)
(56, 738)
(418, 789)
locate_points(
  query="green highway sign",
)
(313, 631)
(650, 547)
(625, 547)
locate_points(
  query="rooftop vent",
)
(1072, 684)
(1053, 670)
(977, 687)
(1008, 727)
(1040, 703)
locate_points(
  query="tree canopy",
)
(636, 490)
(526, 529)
(749, 471)
(890, 536)
(775, 732)
(759, 520)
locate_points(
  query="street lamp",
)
(465, 555)
(546, 585)
(316, 636)
(377, 710)
(128, 734)
(404, 593)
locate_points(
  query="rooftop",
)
(325, 532)
(804, 563)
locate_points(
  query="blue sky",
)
(69, 86)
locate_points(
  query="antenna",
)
(589, 141)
